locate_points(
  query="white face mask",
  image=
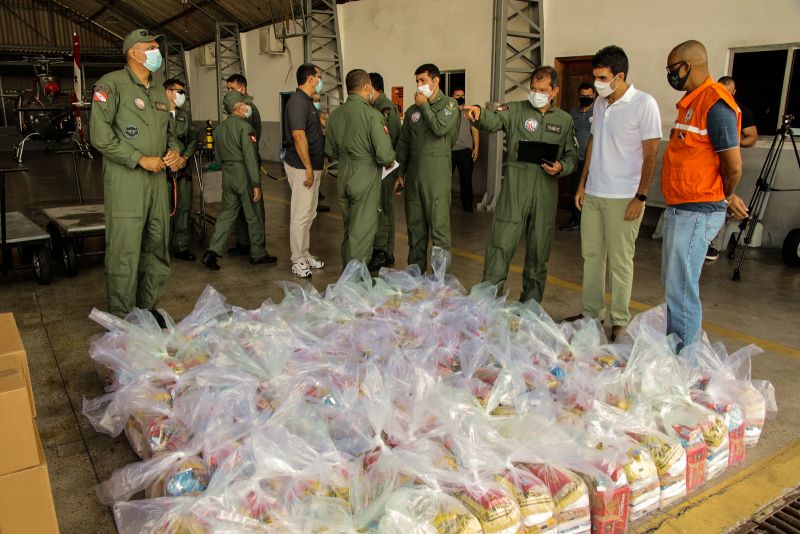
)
(425, 90)
(180, 100)
(318, 105)
(538, 100)
(248, 112)
(604, 88)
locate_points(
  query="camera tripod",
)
(758, 201)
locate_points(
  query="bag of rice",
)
(423, 510)
(534, 499)
(570, 497)
(496, 509)
(643, 480)
(669, 458)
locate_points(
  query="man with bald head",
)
(702, 167)
(131, 127)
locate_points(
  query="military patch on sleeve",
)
(553, 128)
(502, 107)
(452, 104)
(253, 138)
(387, 113)
(101, 92)
(160, 106)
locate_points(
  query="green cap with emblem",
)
(232, 98)
(139, 35)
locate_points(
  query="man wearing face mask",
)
(423, 152)
(236, 149)
(238, 83)
(359, 140)
(132, 128)
(180, 182)
(527, 201)
(465, 153)
(582, 117)
(621, 160)
(383, 248)
(702, 167)
(303, 163)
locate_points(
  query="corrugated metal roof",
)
(102, 23)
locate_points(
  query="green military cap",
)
(230, 99)
(139, 36)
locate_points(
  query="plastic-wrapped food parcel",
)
(404, 404)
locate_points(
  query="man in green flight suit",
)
(131, 128)
(529, 194)
(383, 249)
(358, 138)
(236, 149)
(181, 181)
(238, 83)
(424, 151)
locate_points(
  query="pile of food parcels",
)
(404, 404)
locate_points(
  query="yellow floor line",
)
(635, 304)
(733, 501)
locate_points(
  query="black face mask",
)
(460, 100)
(585, 101)
(674, 78)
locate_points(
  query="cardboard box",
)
(26, 500)
(12, 351)
(17, 430)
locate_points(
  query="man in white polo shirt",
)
(620, 161)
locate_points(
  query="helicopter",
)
(47, 113)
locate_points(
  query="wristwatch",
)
(641, 197)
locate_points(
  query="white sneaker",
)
(314, 263)
(301, 270)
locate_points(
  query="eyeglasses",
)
(675, 65)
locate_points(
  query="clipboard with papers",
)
(536, 152)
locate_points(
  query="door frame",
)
(560, 64)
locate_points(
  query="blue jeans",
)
(687, 235)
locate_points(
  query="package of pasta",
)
(495, 508)
(534, 499)
(570, 497)
(424, 510)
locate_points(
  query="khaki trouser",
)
(303, 211)
(607, 239)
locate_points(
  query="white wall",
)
(394, 38)
(649, 29)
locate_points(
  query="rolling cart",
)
(17, 231)
(70, 226)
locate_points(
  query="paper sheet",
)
(387, 172)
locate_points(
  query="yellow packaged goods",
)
(423, 510)
(496, 510)
(669, 457)
(570, 497)
(643, 479)
(534, 500)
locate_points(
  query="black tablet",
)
(536, 152)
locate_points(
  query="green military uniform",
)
(384, 238)
(236, 149)
(242, 233)
(528, 196)
(187, 134)
(129, 121)
(358, 138)
(424, 151)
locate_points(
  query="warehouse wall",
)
(648, 30)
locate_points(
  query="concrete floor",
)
(57, 333)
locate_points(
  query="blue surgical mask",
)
(319, 86)
(152, 60)
(318, 105)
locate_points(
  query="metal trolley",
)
(70, 226)
(17, 231)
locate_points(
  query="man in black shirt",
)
(747, 138)
(303, 163)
